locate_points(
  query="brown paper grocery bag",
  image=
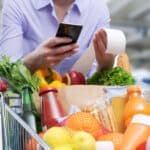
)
(79, 95)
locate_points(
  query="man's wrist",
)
(28, 62)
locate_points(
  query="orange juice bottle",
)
(136, 104)
(137, 132)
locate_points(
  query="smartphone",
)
(69, 30)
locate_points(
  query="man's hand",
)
(104, 60)
(49, 54)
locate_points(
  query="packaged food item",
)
(51, 108)
(137, 132)
(136, 104)
(102, 110)
(104, 145)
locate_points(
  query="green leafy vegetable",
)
(17, 75)
(113, 77)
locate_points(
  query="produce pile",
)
(107, 121)
(17, 75)
(113, 77)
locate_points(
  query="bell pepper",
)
(49, 79)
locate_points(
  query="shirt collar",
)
(80, 4)
(38, 4)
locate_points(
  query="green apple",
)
(83, 141)
(57, 136)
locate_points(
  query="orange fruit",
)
(115, 137)
(32, 143)
(83, 121)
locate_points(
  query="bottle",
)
(137, 132)
(27, 101)
(136, 104)
(51, 108)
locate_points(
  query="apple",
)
(3, 86)
(73, 77)
(83, 141)
(64, 147)
(57, 136)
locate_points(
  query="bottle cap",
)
(104, 145)
(48, 90)
(134, 88)
(141, 119)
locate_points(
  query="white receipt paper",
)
(116, 41)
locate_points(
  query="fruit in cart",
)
(102, 131)
(115, 137)
(57, 136)
(83, 141)
(3, 86)
(64, 147)
(73, 77)
(32, 144)
(83, 121)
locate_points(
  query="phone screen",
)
(69, 30)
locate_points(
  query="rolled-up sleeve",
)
(11, 36)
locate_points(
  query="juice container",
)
(118, 105)
(51, 108)
(137, 132)
(136, 104)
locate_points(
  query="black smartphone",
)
(69, 30)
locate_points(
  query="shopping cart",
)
(16, 134)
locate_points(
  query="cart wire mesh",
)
(16, 134)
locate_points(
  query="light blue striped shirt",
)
(26, 23)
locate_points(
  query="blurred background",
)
(132, 16)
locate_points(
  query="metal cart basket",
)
(16, 134)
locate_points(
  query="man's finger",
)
(100, 44)
(52, 42)
(63, 49)
(96, 48)
(102, 34)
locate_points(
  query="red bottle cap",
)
(47, 90)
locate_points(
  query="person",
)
(29, 28)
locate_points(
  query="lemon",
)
(57, 136)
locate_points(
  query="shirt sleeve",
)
(11, 33)
(104, 21)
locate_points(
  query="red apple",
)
(74, 77)
(3, 86)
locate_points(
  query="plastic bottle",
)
(51, 108)
(28, 114)
(136, 104)
(137, 132)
